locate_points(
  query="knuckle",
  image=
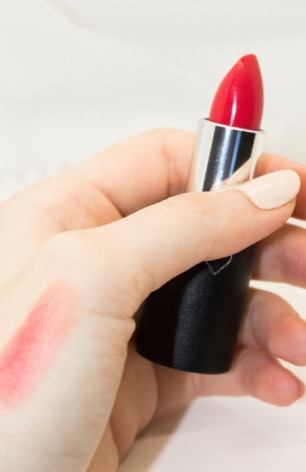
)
(62, 241)
(68, 246)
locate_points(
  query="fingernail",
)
(301, 385)
(302, 389)
(271, 190)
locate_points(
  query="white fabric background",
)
(78, 75)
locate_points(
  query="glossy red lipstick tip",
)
(239, 99)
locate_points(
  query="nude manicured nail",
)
(271, 190)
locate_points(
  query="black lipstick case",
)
(192, 322)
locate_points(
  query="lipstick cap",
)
(192, 322)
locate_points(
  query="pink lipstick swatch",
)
(34, 346)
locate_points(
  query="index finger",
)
(142, 170)
(116, 182)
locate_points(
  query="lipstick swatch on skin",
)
(35, 345)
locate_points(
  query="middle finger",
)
(270, 323)
(281, 257)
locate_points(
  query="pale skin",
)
(106, 235)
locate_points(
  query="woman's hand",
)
(79, 254)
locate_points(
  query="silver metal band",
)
(224, 156)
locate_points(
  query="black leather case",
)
(192, 322)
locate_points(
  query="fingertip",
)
(267, 380)
(278, 386)
(289, 340)
(301, 387)
(295, 387)
(271, 190)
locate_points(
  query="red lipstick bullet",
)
(239, 99)
(192, 322)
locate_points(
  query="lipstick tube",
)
(192, 322)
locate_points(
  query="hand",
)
(79, 254)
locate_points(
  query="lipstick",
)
(192, 322)
(239, 99)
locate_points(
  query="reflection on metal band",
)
(224, 156)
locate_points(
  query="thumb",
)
(155, 244)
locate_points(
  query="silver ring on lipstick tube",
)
(224, 156)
